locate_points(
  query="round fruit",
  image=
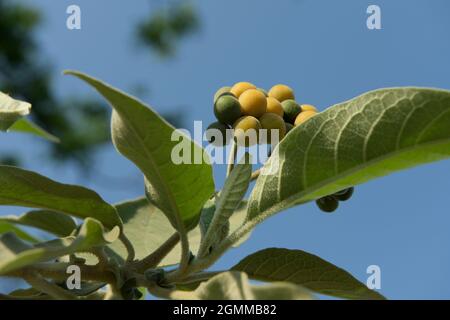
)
(344, 195)
(327, 204)
(253, 103)
(281, 92)
(240, 87)
(289, 127)
(217, 134)
(246, 131)
(227, 109)
(308, 107)
(222, 91)
(291, 110)
(263, 91)
(271, 121)
(274, 106)
(303, 116)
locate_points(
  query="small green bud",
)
(327, 204)
(291, 110)
(227, 109)
(345, 194)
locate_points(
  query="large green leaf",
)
(24, 125)
(233, 192)
(141, 135)
(15, 254)
(368, 137)
(6, 227)
(50, 221)
(147, 228)
(20, 187)
(11, 110)
(235, 286)
(305, 269)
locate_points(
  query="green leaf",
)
(141, 135)
(26, 126)
(147, 228)
(305, 269)
(11, 110)
(15, 254)
(50, 221)
(368, 137)
(235, 286)
(20, 187)
(9, 227)
(229, 198)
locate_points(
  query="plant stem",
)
(153, 259)
(232, 157)
(130, 249)
(206, 262)
(58, 293)
(57, 271)
(200, 276)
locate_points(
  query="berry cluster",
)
(330, 203)
(246, 107)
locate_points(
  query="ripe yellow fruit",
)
(240, 87)
(253, 103)
(272, 121)
(308, 107)
(281, 92)
(246, 131)
(303, 116)
(274, 106)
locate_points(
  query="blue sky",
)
(325, 52)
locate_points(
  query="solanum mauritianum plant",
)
(167, 240)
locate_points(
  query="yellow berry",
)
(281, 92)
(274, 106)
(246, 131)
(303, 116)
(272, 121)
(240, 87)
(253, 103)
(308, 107)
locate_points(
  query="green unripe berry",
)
(345, 194)
(227, 109)
(246, 131)
(327, 204)
(291, 110)
(272, 121)
(289, 126)
(220, 137)
(222, 91)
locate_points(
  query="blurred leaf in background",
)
(166, 26)
(81, 124)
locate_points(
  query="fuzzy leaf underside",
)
(370, 136)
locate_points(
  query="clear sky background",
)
(325, 52)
